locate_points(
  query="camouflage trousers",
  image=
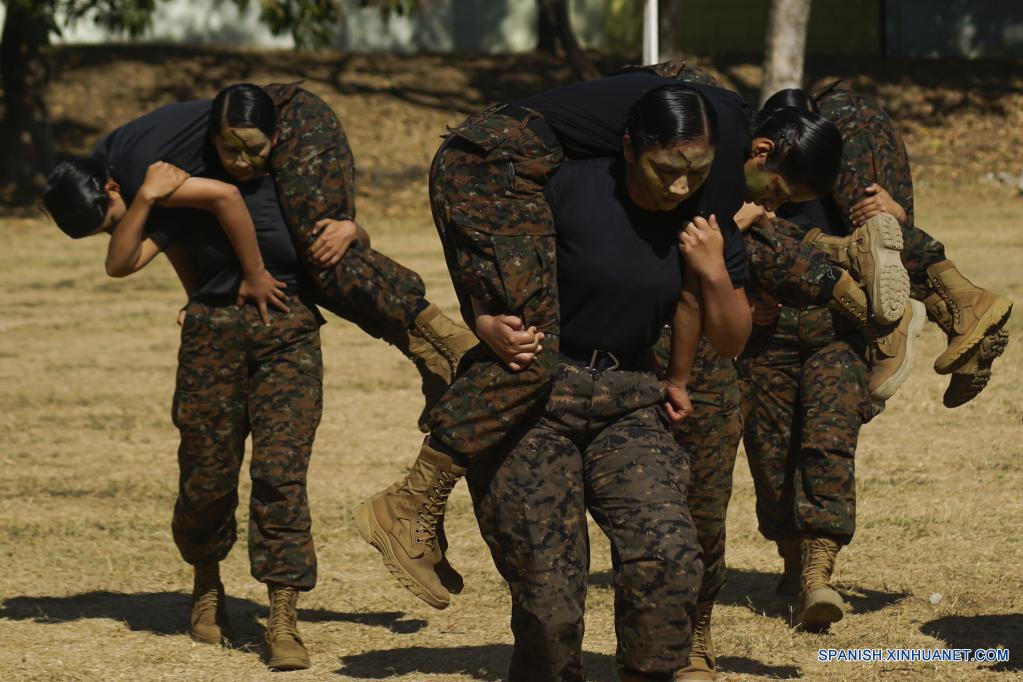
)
(486, 191)
(601, 445)
(237, 376)
(873, 151)
(804, 398)
(711, 436)
(314, 173)
(786, 268)
(919, 252)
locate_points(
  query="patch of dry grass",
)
(92, 586)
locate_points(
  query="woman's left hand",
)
(332, 241)
(678, 406)
(879, 201)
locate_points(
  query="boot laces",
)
(820, 559)
(946, 295)
(207, 590)
(702, 625)
(438, 345)
(426, 526)
(282, 623)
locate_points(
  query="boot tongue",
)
(420, 479)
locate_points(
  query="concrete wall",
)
(967, 28)
(919, 28)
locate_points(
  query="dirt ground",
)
(93, 588)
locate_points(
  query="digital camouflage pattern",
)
(314, 172)
(601, 445)
(711, 435)
(234, 371)
(873, 151)
(486, 191)
(785, 267)
(804, 388)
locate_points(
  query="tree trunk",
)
(555, 13)
(546, 33)
(666, 16)
(26, 137)
(785, 46)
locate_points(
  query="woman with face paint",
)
(138, 185)
(601, 443)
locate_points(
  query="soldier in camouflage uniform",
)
(312, 166)
(875, 173)
(805, 396)
(500, 253)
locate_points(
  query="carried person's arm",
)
(128, 252)
(726, 315)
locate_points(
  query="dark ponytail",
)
(807, 146)
(791, 97)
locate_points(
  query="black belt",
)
(605, 361)
(534, 121)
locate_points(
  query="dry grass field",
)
(92, 588)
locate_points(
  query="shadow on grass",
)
(756, 591)
(982, 632)
(483, 662)
(166, 613)
(749, 666)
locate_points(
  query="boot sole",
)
(827, 609)
(221, 639)
(889, 291)
(371, 531)
(890, 385)
(285, 662)
(967, 385)
(994, 319)
(819, 617)
(288, 664)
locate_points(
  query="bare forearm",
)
(727, 318)
(125, 248)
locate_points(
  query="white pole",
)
(651, 54)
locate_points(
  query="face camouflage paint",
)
(243, 151)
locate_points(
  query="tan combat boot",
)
(436, 344)
(970, 379)
(819, 604)
(873, 255)
(891, 356)
(970, 313)
(791, 551)
(401, 523)
(284, 647)
(208, 622)
(848, 299)
(702, 664)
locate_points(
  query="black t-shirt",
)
(817, 213)
(588, 118)
(212, 257)
(177, 134)
(619, 268)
